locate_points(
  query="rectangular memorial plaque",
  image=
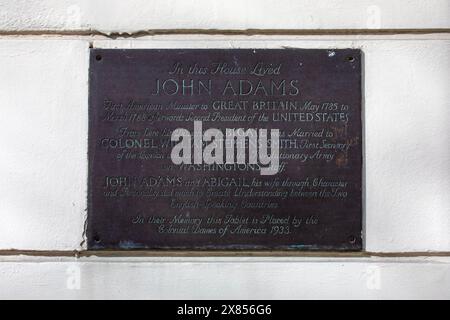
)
(225, 149)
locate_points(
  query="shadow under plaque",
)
(225, 149)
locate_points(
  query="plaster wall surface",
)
(44, 49)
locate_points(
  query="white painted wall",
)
(224, 278)
(43, 161)
(407, 111)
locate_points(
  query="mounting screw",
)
(98, 57)
(96, 239)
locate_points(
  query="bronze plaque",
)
(225, 149)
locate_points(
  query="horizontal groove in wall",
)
(175, 253)
(248, 32)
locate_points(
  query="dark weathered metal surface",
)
(138, 198)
